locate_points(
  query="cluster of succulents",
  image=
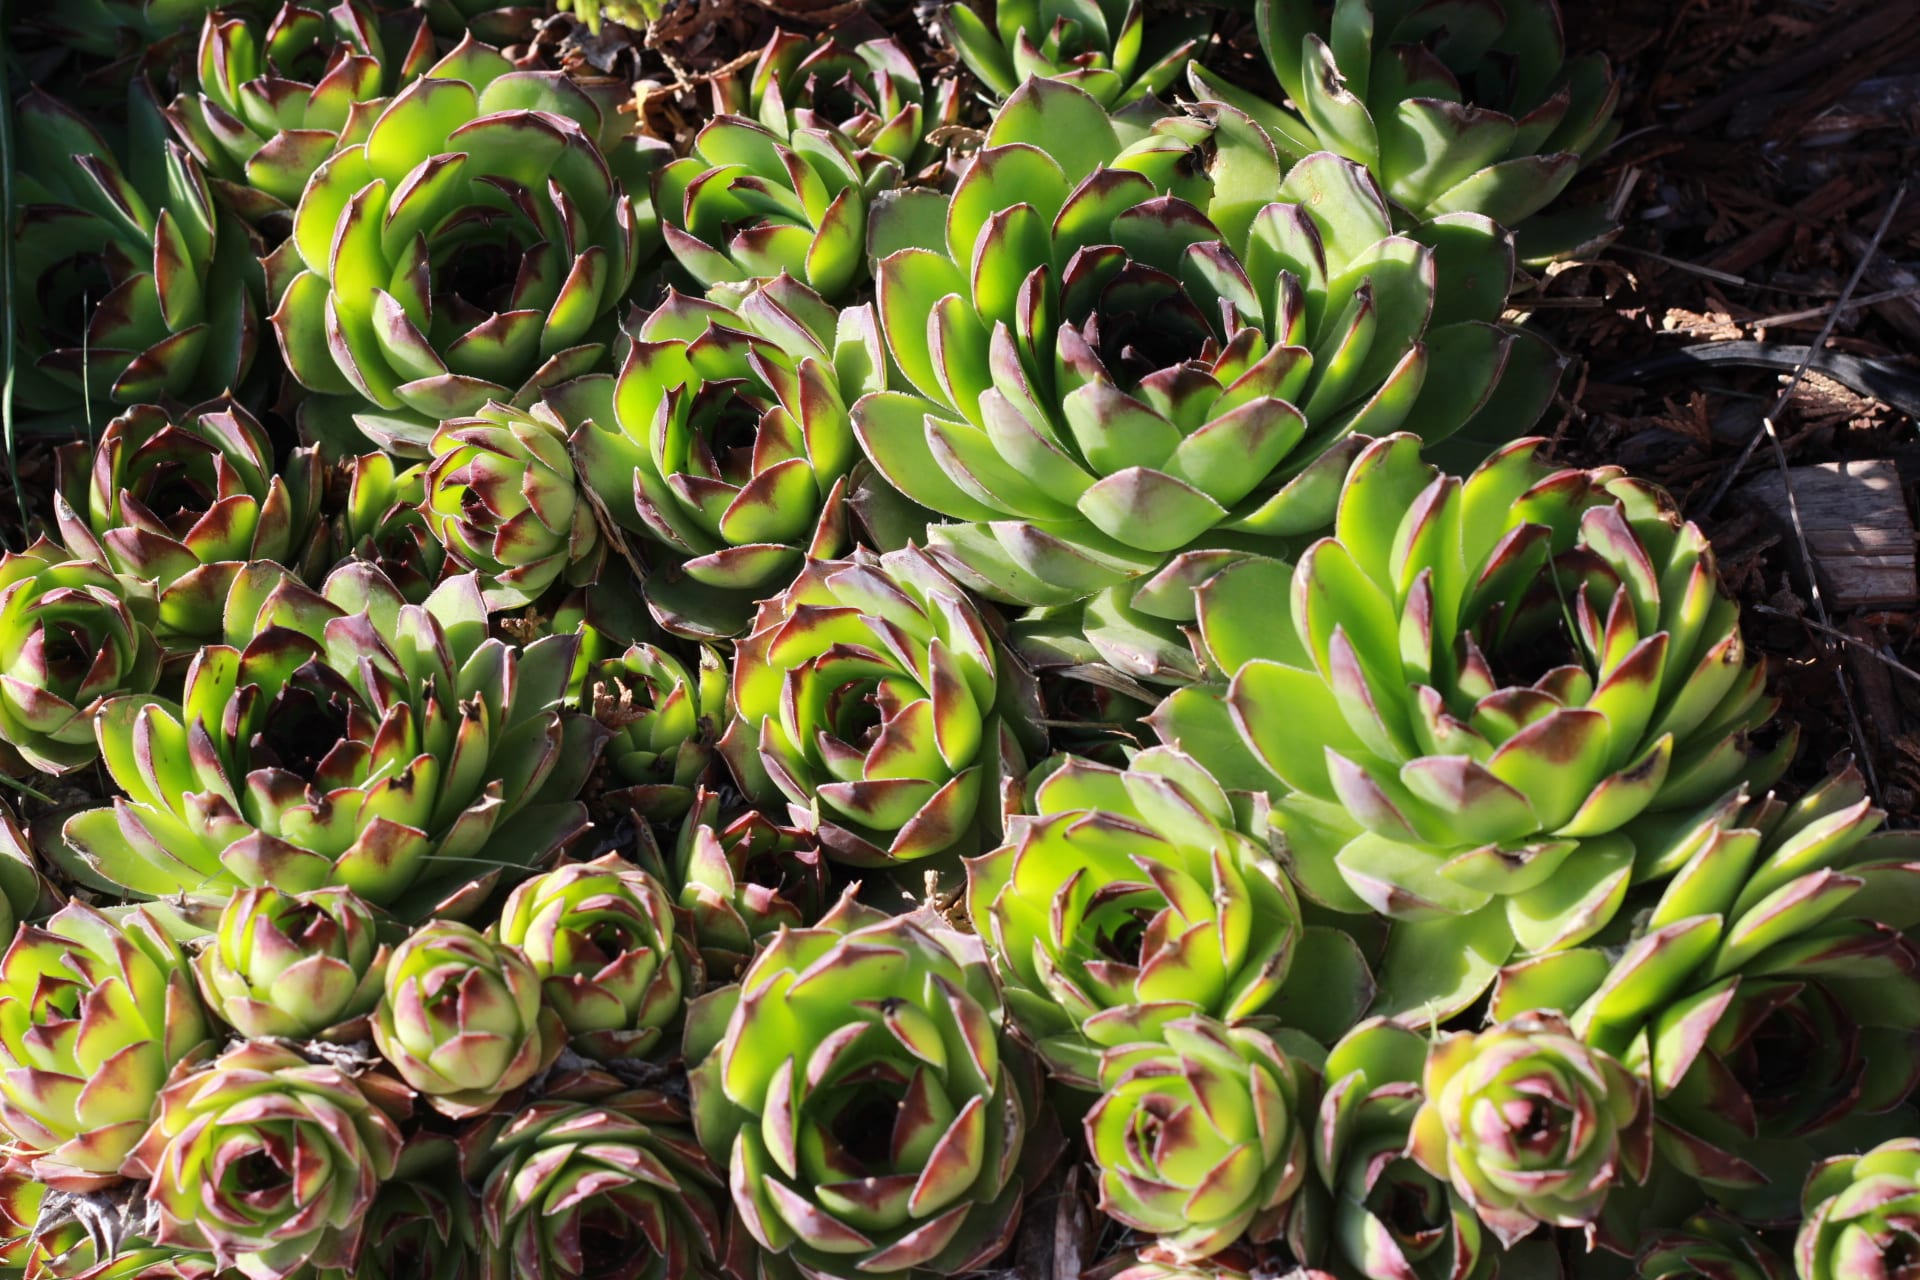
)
(553, 671)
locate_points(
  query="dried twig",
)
(1789, 317)
(1879, 652)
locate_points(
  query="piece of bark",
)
(1858, 529)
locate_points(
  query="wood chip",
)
(1858, 528)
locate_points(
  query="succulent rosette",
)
(1768, 992)
(183, 500)
(94, 1014)
(501, 495)
(1485, 116)
(1105, 47)
(664, 720)
(1381, 1214)
(1861, 1214)
(870, 694)
(472, 248)
(1712, 1246)
(857, 1086)
(350, 738)
(292, 965)
(462, 1019)
(378, 521)
(743, 880)
(751, 203)
(267, 1161)
(725, 439)
(275, 99)
(592, 1187)
(1529, 1125)
(1111, 365)
(1127, 900)
(1197, 1138)
(1479, 685)
(72, 636)
(851, 79)
(613, 959)
(781, 180)
(127, 289)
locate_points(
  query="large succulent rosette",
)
(870, 694)
(1128, 899)
(613, 958)
(501, 495)
(857, 1087)
(473, 248)
(462, 1019)
(1477, 686)
(664, 720)
(350, 739)
(742, 880)
(130, 284)
(1453, 114)
(1105, 47)
(1768, 992)
(1112, 365)
(1529, 1125)
(292, 965)
(1375, 1211)
(595, 1187)
(1197, 1135)
(274, 99)
(183, 500)
(94, 1014)
(725, 439)
(269, 1162)
(72, 636)
(1861, 1215)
